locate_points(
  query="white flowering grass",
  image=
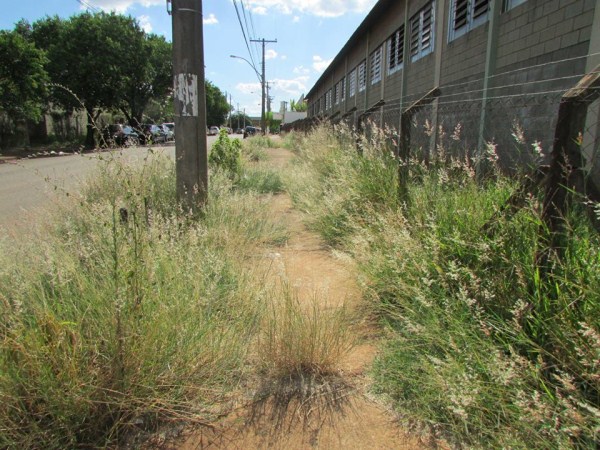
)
(481, 346)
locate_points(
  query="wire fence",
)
(514, 116)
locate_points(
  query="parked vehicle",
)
(250, 131)
(119, 135)
(213, 131)
(152, 134)
(229, 130)
(169, 129)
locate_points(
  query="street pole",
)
(191, 161)
(263, 82)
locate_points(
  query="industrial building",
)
(501, 67)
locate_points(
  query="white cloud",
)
(145, 23)
(260, 10)
(301, 70)
(322, 8)
(320, 64)
(249, 88)
(290, 87)
(270, 54)
(122, 6)
(283, 57)
(210, 20)
(296, 19)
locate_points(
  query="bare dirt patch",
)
(310, 411)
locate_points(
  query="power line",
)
(86, 4)
(237, 11)
(248, 12)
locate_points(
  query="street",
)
(29, 186)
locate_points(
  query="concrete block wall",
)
(540, 46)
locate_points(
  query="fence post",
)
(404, 151)
(566, 165)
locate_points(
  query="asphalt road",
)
(29, 187)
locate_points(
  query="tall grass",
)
(481, 346)
(124, 312)
(303, 338)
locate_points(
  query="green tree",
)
(239, 119)
(298, 106)
(22, 77)
(149, 76)
(217, 106)
(89, 56)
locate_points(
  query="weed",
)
(226, 155)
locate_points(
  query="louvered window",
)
(336, 94)
(362, 76)
(396, 50)
(510, 4)
(375, 61)
(328, 99)
(421, 31)
(343, 89)
(466, 15)
(352, 87)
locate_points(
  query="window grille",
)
(352, 87)
(396, 50)
(510, 4)
(421, 31)
(362, 76)
(376, 57)
(466, 15)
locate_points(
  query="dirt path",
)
(341, 415)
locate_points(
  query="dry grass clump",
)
(302, 338)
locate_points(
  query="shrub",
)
(225, 155)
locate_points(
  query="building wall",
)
(537, 50)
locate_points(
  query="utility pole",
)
(229, 113)
(263, 81)
(191, 161)
(238, 114)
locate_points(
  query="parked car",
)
(250, 131)
(229, 130)
(213, 131)
(120, 135)
(152, 134)
(169, 129)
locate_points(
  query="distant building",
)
(501, 66)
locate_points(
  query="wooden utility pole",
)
(263, 82)
(191, 161)
(567, 162)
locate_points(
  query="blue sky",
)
(309, 34)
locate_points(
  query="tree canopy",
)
(100, 62)
(22, 77)
(217, 106)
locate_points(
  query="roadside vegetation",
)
(481, 346)
(124, 312)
